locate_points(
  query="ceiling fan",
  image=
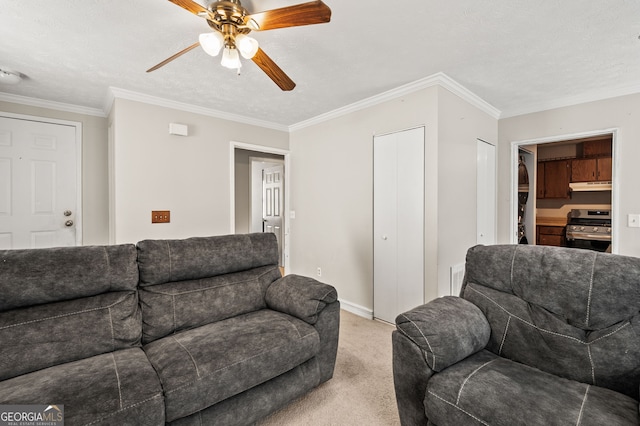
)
(231, 23)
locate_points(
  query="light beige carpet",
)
(361, 390)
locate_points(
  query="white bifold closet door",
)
(398, 222)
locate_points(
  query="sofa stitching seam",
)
(584, 400)
(159, 395)
(195, 364)
(464, 382)
(164, 293)
(170, 266)
(593, 370)
(115, 367)
(84, 311)
(113, 333)
(458, 408)
(425, 339)
(549, 331)
(593, 268)
(504, 336)
(513, 262)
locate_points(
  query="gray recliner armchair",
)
(538, 336)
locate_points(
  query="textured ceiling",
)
(517, 55)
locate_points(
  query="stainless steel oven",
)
(589, 229)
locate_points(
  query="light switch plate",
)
(160, 216)
(633, 221)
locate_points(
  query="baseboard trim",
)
(356, 309)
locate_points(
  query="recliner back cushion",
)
(573, 313)
(64, 304)
(175, 306)
(197, 281)
(163, 261)
(35, 276)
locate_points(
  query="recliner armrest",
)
(447, 329)
(302, 297)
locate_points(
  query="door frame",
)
(233, 145)
(77, 125)
(254, 178)
(615, 179)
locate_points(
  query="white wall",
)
(622, 113)
(460, 125)
(95, 219)
(332, 189)
(190, 176)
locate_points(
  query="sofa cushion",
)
(118, 388)
(46, 335)
(162, 261)
(490, 390)
(573, 313)
(37, 276)
(176, 306)
(208, 364)
(254, 404)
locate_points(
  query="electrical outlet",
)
(319, 271)
(633, 221)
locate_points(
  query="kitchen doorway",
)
(569, 175)
(260, 193)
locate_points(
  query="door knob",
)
(68, 223)
(67, 213)
(384, 237)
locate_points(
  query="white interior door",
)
(39, 184)
(398, 223)
(273, 203)
(486, 193)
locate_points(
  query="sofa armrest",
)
(300, 296)
(447, 329)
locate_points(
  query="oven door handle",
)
(592, 237)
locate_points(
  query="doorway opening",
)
(260, 194)
(568, 176)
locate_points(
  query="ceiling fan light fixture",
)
(230, 58)
(248, 46)
(211, 42)
(9, 77)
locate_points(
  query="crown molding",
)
(58, 106)
(592, 96)
(115, 92)
(438, 79)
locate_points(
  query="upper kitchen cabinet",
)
(591, 169)
(593, 162)
(553, 179)
(599, 146)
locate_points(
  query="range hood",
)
(590, 186)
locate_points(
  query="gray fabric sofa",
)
(539, 336)
(198, 331)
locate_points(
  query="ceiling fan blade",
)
(192, 7)
(273, 71)
(313, 12)
(177, 55)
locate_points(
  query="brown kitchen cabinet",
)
(553, 179)
(591, 169)
(597, 147)
(550, 236)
